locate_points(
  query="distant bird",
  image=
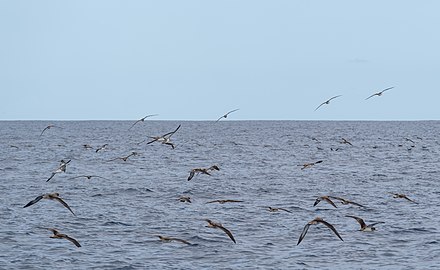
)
(345, 202)
(142, 119)
(379, 93)
(13, 146)
(60, 169)
(212, 224)
(314, 222)
(49, 196)
(124, 158)
(185, 199)
(164, 139)
(58, 235)
(226, 115)
(364, 227)
(46, 128)
(308, 165)
(197, 171)
(88, 177)
(324, 198)
(277, 209)
(87, 146)
(224, 201)
(102, 147)
(170, 239)
(409, 140)
(401, 196)
(344, 141)
(327, 102)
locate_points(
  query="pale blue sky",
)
(195, 60)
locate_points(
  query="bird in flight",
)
(164, 139)
(170, 239)
(58, 235)
(46, 128)
(125, 157)
(327, 102)
(88, 177)
(197, 171)
(276, 209)
(185, 199)
(224, 201)
(212, 224)
(324, 198)
(308, 165)
(102, 147)
(142, 119)
(226, 115)
(401, 196)
(345, 202)
(364, 227)
(60, 169)
(344, 141)
(50, 196)
(314, 222)
(379, 93)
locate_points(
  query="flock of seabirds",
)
(166, 140)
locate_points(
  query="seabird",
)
(364, 227)
(87, 146)
(314, 222)
(345, 202)
(60, 169)
(224, 201)
(324, 198)
(46, 128)
(185, 199)
(101, 148)
(124, 158)
(327, 102)
(164, 139)
(197, 171)
(170, 239)
(142, 120)
(50, 196)
(276, 209)
(402, 196)
(344, 141)
(226, 115)
(89, 177)
(57, 234)
(379, 93)
(308, 165)
(212, 224)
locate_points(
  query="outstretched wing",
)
(375, 94)
(386, 89)
(331, 228)
(303, 234)
(227, 232)
(33, 201)
(172, 132)
(191, 175)
(53, 174)
(320, 105)
(64, 204)
(72, 240)
(359, 220)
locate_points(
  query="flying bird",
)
(88, 177)
(327, 102)
(212, 224)
(314, 222)
(379, 93)
(344, 141)
(142, 119)
(401, 196)
(125, 157)
(226, 115)
(365, 227)
(102, 147)
(58, 235)
(277, 209)
(49, 196)
(197, 171)
(46, 128)
(60, 169)
(185, 199)
(308, 165)
(324, 198)
(164, 139)
(170, 239)
(345, 201)
(224, 201)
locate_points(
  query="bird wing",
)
(334, 98)
(303, 234)
(318, 200)
(180, 240)
(376, 223)
(320, 105)
(331, 228)
(172, 132)
(135, 123)
(33, 201)
(214, 201)
(283, 209)
(53, 174)
(330, 202)
(375, 94)
(232, 111)
(191, 175)
(72, 240)
(227, 232)
(64, 204)
(386, 89)
(354, 203)
(359, 220)
(405, 197)
(46, 128)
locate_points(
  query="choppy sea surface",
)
(119, 215)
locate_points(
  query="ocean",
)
(119, 214)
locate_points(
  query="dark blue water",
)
(117, 218)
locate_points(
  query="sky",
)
(196, 60)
